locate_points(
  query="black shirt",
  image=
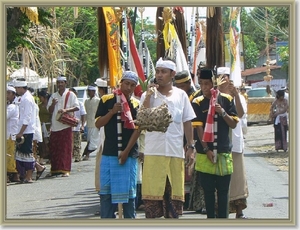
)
(110, 129)
(201, 106)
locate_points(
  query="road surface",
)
(74, 200)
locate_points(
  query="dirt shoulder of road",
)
(260, 139)
(280, 158)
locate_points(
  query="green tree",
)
(81, 36)
(149, 35)
(254, 26)
(251, 52)
(18, 25)
(283, 52)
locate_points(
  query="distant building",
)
(257, 74)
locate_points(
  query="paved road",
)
(74, 198)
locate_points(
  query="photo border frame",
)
(291, 221)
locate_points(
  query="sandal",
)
(27, 181)
(49, 175)
(241, 216)
(65, 175)
(86, 158)
(39, 173)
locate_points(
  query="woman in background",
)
(278, 113)
(45, 118)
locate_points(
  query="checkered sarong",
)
(208, 135)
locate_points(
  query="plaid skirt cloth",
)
(118, 180)
(223, 166)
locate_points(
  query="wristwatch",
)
(191, 146)
(205, 149)
(223, 114)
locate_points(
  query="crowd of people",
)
(134, 167)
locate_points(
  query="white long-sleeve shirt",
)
(38, 128)
(12, 117)
(27, 113)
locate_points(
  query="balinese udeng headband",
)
(101, 83)
(91, 87)
(166, 64)
(10, 88)
(20, 83)
(130, 75)
(61, 78)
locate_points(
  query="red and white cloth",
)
(208, 135)
(126, 115)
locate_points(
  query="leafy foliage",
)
(251, 52)
(81, 36)
(283, 52)
(18, 26)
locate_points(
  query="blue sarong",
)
(118, 180)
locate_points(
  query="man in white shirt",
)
(62, 101)
(238, 190)
(93, 137)
(164, 157)
(12, 117)
(81, 116)
(25, 159)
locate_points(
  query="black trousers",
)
(211, 184)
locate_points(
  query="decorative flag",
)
(31, 13)
(126, 115)
(150, 69)
(113, 46)
(135, 63)
(234, 33)
(173, 45)
(199, 54)
(208, 135)
(168, 42)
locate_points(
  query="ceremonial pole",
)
(124, 39)
(191, 38)
(141, 10)
(119, 131)
(215, 143)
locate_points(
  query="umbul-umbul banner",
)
(234, 35)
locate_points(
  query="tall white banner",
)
(234, 35)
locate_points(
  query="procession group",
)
(205, 136)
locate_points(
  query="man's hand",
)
(210, 156)
(218, 108)
(233, 90)
(19, 135)
(54, 101)
(62, 110)
(117, 107)
(190, 156)
(141, 157)
(123, 157)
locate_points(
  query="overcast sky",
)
(151, 13)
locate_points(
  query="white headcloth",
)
(166, 64)
(61, 78)
(91, 87)
(10, 88)
(20, 83)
